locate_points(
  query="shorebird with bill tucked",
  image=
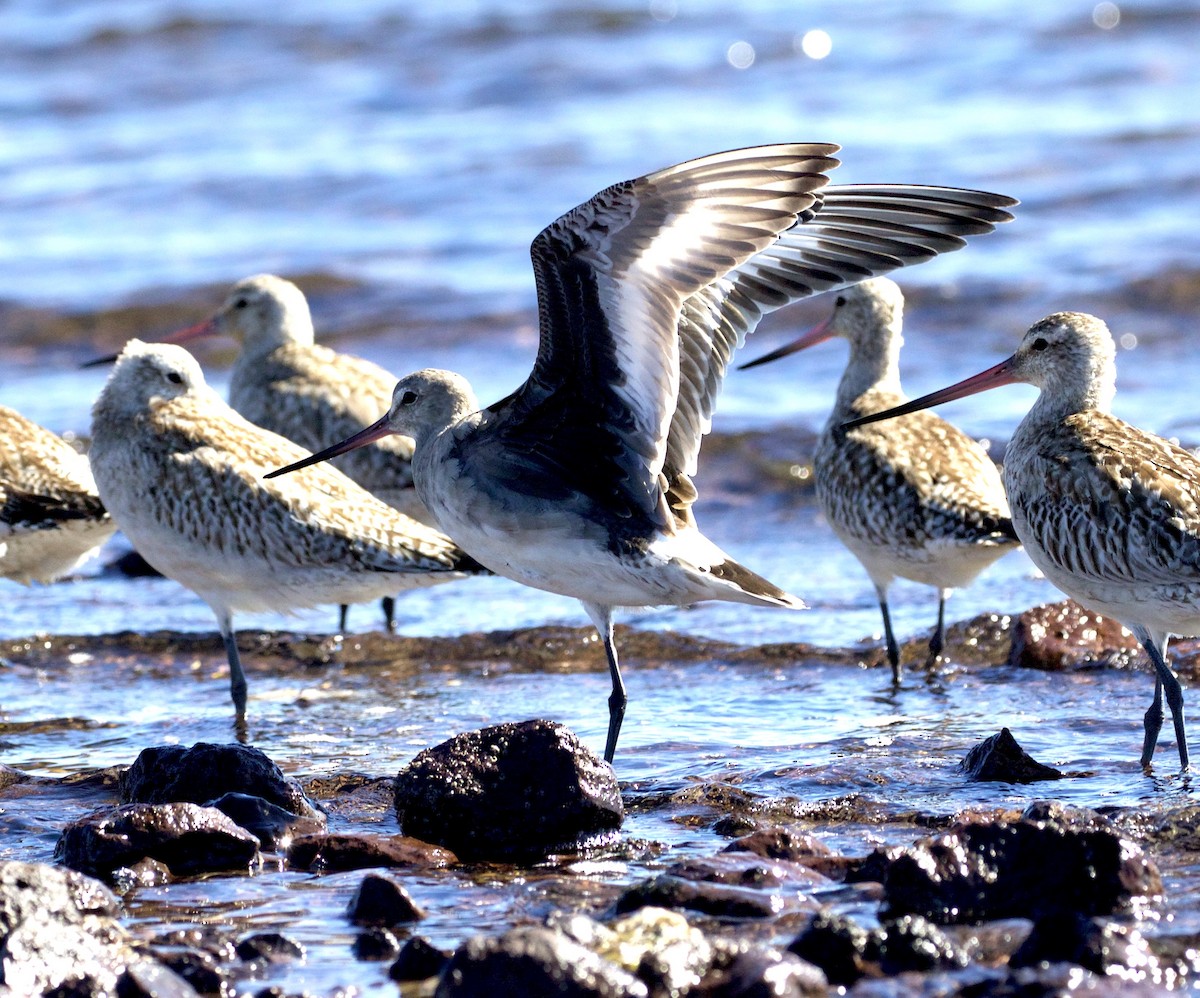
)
(182, 475)
(915, 498)
(1108, 512)
(51, 516)
(580, 482)
(286, 382)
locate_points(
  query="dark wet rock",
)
(168, 773)
(721, 900)
(209, 939)
(742, 969)
(341, 851)
(270, 947)
(382, 900)
(376, 943)
(841, 948)
(510, 792)
(146, 872)
(733, 826)
(1062, 636)
(915, 943)
(793, 845)
(201, 970)
(272, 825)
(149, 979)
(1098, 946)
(1001, 759)
(187, 838)
(532, 960)
(1024, 869)
(57, 926)
(746, 870)
(418, 960)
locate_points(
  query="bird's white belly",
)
(227, 579)
(1159, 607)
(945, 564)
(44, 555)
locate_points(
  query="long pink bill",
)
(375, 431)
(818, 334)
(993, 377)
(206, 328)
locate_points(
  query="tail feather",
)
(756, 588)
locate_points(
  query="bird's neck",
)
(873, 367)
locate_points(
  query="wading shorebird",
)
(182, 475)
(580, 482)
(1108, 512)
(51, 516)
(917, 498)
(285, 382)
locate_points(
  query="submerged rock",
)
(841, 948)
(516, 792)
(1001, 759)
(167, 773)
(533, 960)
(418, 960)
(1024, 869)
(744, 969)
(382, 900)
(915, 943)
(376, 943)
(269, 947)
(341, 851)
(187, 838)
(791, 844)
(1098, 946)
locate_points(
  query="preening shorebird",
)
(915, 498)
(580, 482)
(1108, 512)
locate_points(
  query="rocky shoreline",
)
(991, 901)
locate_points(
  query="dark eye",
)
(175, 377)
(841, 300)
(408, 398)
(240, 303)
(1039, 344)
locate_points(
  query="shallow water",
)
(402, 159)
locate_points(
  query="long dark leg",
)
(1156, 646)
(389, 613)
(938, 641)
(342, 610)
(893, 649)
(237, 678)
(1152, 720)
(617, 700)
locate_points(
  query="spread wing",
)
(647, 289)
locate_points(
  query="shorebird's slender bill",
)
(818, 334)
(993, 377)
(369, 435)
(205, 328)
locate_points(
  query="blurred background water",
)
(158, 149)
